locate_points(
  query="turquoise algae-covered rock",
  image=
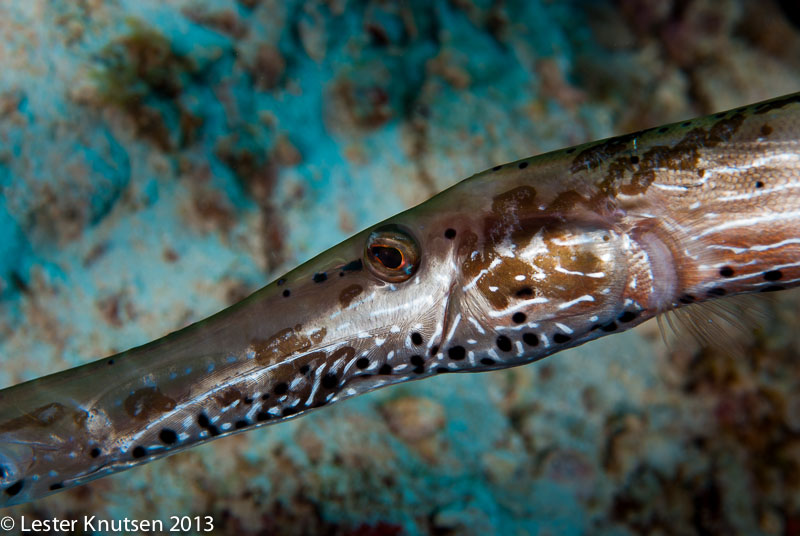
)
(161, 160)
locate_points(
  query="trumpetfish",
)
(506, 267)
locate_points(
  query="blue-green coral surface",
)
(161, 160)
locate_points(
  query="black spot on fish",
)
(777, 104)
(305, 369)
(247, 400)
(759, 184)
(503, 343)
(329, 381)
(281, 281)
(94, 453)
(287, 293)
(570, 150)
(14, 488)
(487, 361)
(241, 423)
(385, 369)
(320, 277)
(726, 271)
(560, 338)
(524, 291)
(434, 349)
(353, 266)
(627, 316)
(662, 130)
(457, 353)
(450, 234)
(518, 318)
(717, 291)
(523, 165)
(167, 436)
(686, 299)
(262, 416)
(204, 422)
(634, 159)
(281, 388)
(686, 124)
(416, 338)
(417, 360)
(362, 363)
(265, 396)
(57, 485)
(773, 275)
(497, 168)
(287, 412)
(611, 326)
(530, 339)
(110, 362)
(139, 452)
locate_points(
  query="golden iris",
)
(392, 253)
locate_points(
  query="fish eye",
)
(392, 253)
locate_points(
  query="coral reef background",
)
(161, 160)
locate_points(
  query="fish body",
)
(504, 268)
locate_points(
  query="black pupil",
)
(387, 256)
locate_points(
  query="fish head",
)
(517, 274)
(464, 282)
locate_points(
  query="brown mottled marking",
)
(467, 244)
(598, 153)
(617, 170)
(79, 418)
(639, 183)
(40, 417)
(318, 335)
(227, 397)
(559, 285)
(146, 402)
(685, 154)
(565, 201)
(512, 211)
(621, 176)
(313, 356)
(346, 352)
(348, 294)
(518, 200)
(285, 343)
(514, 216)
